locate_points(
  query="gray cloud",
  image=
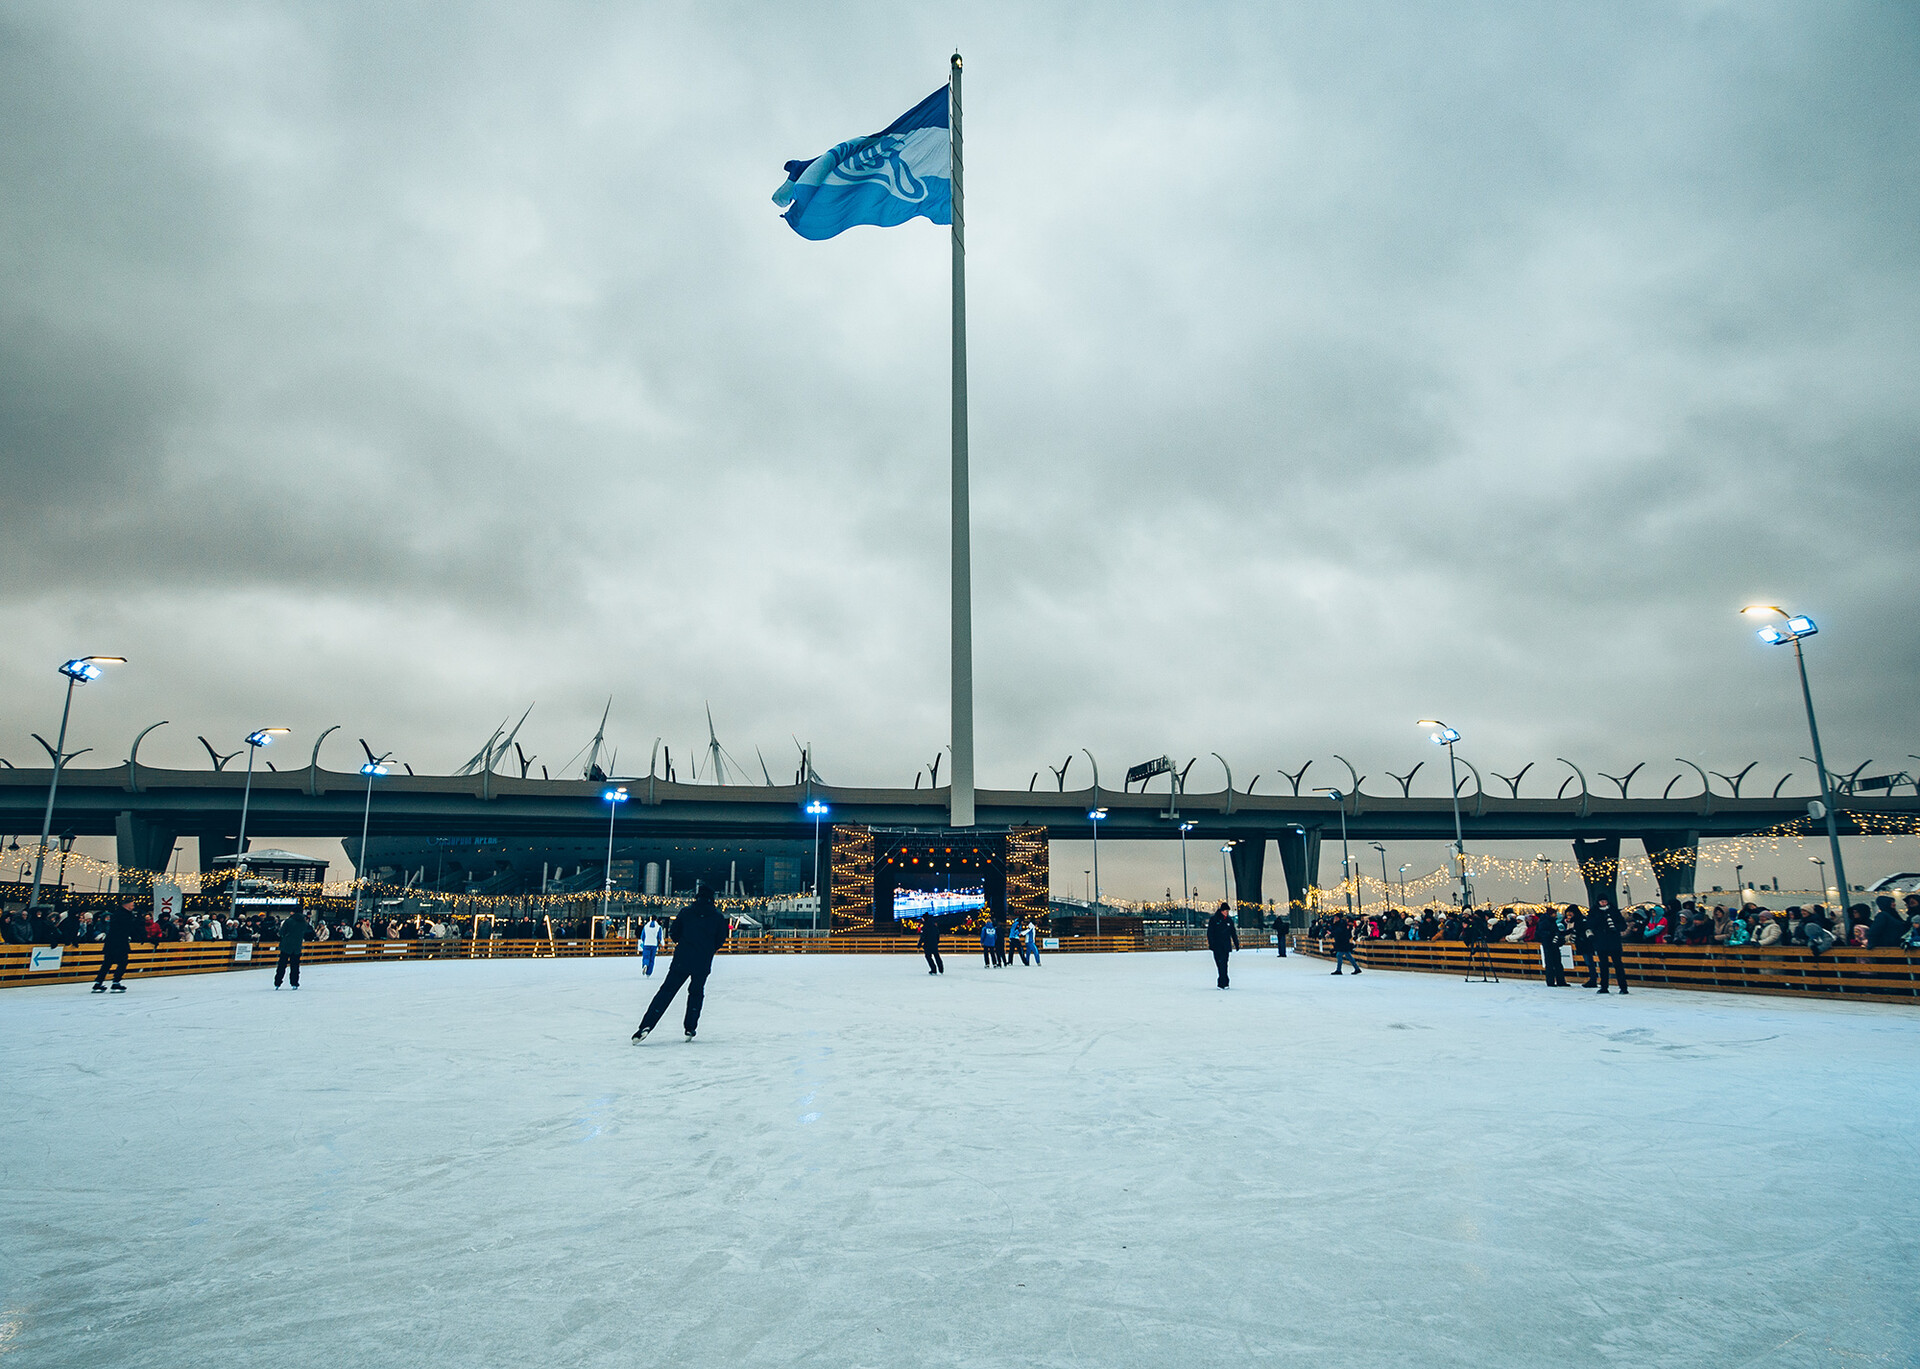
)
(395, 367)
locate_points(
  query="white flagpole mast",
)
(961, 800)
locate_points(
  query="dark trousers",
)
(1586, 958)
(289, 965)
(692, 973)
(1610, 955)
(986, 953)
(1550, 963)
(1346, 955)
(1220, 960)
(934, 962)
(113, 958)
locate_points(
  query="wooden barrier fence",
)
(79, 963)
(1888, 976)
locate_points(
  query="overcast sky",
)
(400, 366)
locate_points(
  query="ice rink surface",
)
(1103, 1161)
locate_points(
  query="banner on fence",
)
(167, 901)
(44, 958)
(1050, 943)
(242, 952)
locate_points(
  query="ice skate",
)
(122, 988)
(640, 1034)
(689, 1033)
(99, 988)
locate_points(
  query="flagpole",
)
(961, 798)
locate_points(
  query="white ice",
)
(1103, 1161)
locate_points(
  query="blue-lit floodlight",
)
(1446, 737)
(816, 810)
(1790, 630)
(613, 798)
(78, 672)
(259, 737)
(88, 667)
(375, 765)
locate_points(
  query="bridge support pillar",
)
(1599, 862)
(214, 844)
(141, 844)
(1674, 859)
(1249, 860)
(1300, 861)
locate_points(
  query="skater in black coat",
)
(930, 944)
(698, 934)
(1223, 939)
(1604, 928)
(293, 939)
(1582, 942)
(122, 927)
(1546, 931)
(1343, 945)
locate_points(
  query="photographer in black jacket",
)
(1604, 929)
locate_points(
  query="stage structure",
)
(882, 881)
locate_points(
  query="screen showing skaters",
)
(698, 933)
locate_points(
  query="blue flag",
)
(903, 172)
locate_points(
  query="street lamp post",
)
(1186, 885)
(613, 798)
(1386, 889)
(1226, 876)
(1739, 887)
(1346, 877)
(78, 672)
(374, 766)
(255, 740)
(816, 810)
(1546, 867)
(1403, 885)
(1796, 626)
(1096, 816)
(1446, 737)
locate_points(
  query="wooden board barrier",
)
(1888, 976)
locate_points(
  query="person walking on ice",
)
(1343, 944)
(986, 943)
(698, 933)
(930, 944)
(1031, 936)
(649, 944)
(293, 939)
(1222, 939)
(122, 926)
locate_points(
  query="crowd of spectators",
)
(1684, 923)
(48, 926)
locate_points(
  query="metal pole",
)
(1185, 897)
(606, 892)
(246, 796)
(816, 874)
(1226, 876)
(1096, 875)
(1346, 870)
(360, 865)
(1385, 888)
(961, 795)
(1459, 839)
(46, 823)
(1842, 921)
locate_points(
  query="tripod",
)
(1479, 964)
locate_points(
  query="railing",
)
(78, 963)
(1885, 976)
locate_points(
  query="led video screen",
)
(914, 904)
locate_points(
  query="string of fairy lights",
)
(1424, 890)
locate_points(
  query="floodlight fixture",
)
(264, 736)
(85, 668)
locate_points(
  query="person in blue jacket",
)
(986, 942)
(1031, 936)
